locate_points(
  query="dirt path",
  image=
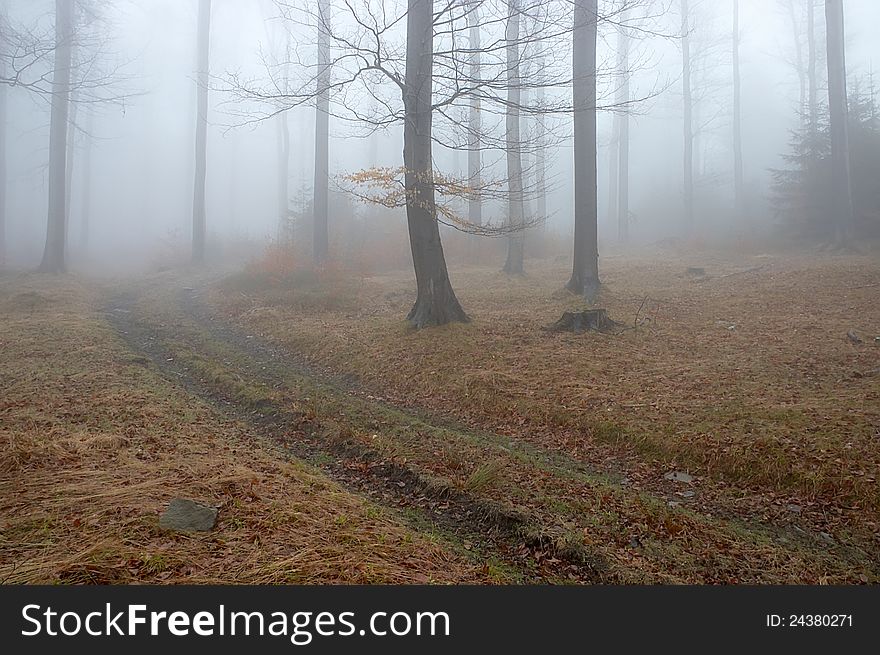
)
(487, 529)
(549, 517)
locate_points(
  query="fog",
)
(140, 191)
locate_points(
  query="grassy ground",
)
(492, 451)
(743, 377)
(95, 443)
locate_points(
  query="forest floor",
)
(727, 433)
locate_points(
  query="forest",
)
(442, 292)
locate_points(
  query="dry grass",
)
(94, 445)
(744, 376)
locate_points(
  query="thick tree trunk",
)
(320, 200)
(2, 165)
(837, 103)
(475, 205)
(739, 191)
(623, 136)
(199, 227)
(86, 206)
(516, 205)
(585, 269)
(436, 303)
(53, 254)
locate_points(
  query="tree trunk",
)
(516, 208)
(475, 205)
(53, 255)
(837, 103)
(283, 151)
(799, 59)
(585, 269)
(71, 156)
(614, 168)
(541, 156)
(688, 118)
(813, 83)
(86, 206)
(739, 191)
(2, 164)
(320, 202)
(436, 303)
(623, 136)
(199, 227)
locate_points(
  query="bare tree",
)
(516, 212)
(2, 161)
(837, 103)
(86, 199)
(813, 83)
(585, 268)
(54, 252)
(436, 303)
(475, 204)
(199, 216)
(739, 192)
(320, 204)
(688, 117)
(619, 187)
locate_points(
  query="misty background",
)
(139, 196)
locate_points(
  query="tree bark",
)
(53, 254)
(688, 118)
(436, 303)
(199, 227)
(516, 205)
(585, 268)
(320, 201)
(475, 205)
(739, 191)
(837, 103)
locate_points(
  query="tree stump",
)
(589, 320)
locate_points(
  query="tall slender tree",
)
(54, 252)
(841, 185)
(688, 116)
(199, 216)
(86, 198)
(623, 99)
(812, 81)
(739, 192)
(320, 202)
(585, 267)
(2, 162)
(475, 204)
(516, 209)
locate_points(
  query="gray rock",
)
(679, 476)
(188, 516)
